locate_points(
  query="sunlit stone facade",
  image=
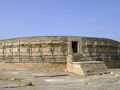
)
(56, 49)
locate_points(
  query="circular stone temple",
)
(47, 53)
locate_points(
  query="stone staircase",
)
(85, 67)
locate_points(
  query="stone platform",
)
(86, 68)
(39, 67)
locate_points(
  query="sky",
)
(92, 18)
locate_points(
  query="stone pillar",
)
(69, 48)
(80, 48)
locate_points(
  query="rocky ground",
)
(26, 80)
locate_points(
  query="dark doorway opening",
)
(74, 46)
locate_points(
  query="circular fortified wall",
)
(49, 53)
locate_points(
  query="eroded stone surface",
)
(69, 82)
(50, 53)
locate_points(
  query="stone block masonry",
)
(28, 52)
(86, 68)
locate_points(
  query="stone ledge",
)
(87, 68)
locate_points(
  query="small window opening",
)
(74, 46)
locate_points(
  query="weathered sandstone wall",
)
(56, 49)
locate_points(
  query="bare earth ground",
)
(26, 80)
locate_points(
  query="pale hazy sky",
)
(95, 18)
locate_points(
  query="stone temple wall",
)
(100, 48)
(34, 50)
(56, 49)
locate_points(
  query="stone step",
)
(86, 68)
